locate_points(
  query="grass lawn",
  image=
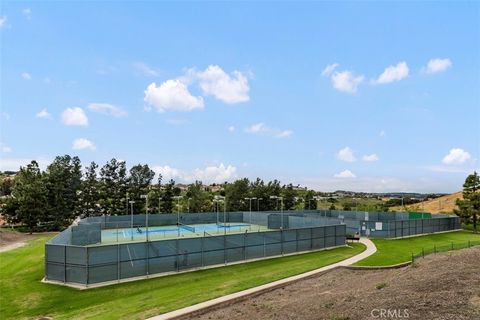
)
(22, 295)
(391, 252)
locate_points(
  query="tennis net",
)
(185, 227)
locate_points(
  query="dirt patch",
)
(10, 239)
(443, 286)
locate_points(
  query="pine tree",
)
(138, 184)
(89, 195)
(288, 197)
(63, 180)
(167, 197)
(469, 207)
(113, 187)
(30, 194)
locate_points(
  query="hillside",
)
(444, 204)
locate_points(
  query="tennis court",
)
(177, 231)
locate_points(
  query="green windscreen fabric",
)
(412, 215)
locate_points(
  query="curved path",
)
(371, 249)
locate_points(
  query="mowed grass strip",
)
(390, 252)
(23, 296)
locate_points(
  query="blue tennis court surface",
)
(174, 231)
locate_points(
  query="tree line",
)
(53, 198)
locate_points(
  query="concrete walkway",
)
(371, 249)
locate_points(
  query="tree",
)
(113, 187)
(155, 196)
(288, 195)
(63, 180)
(469, 207)
(310, 203)
(259, 191)
(235, 194)
(167, 197)
(89, 195)
(139, 181)
(30, 194)
(272, 189)
(195, 197)
(6, 185)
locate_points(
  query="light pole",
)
(178, 213)
(250, 199)
(216, 208)
(281, 207)
(220, 198)
(126, 197)
(131, 220)
(145, 196)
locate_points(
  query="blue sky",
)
(359, 96)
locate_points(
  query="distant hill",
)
(444, 204)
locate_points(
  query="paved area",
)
(371, 249)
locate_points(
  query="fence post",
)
(264, 244)
(118, 262)
(177, 256)
(65, 264)
(86, 266)
(201, 245)
(245, 246)
(281, 238)
(148, 258)
(296, 240)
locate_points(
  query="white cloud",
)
(393, 73)
(44, 114)
(228, 88)
(143, 69)
(107, 109)
(83, 144)
(26, 76)
(346, 154)
(345, 174)
(329, 69)
(4, 148)
(3, 21)
(346, 81)
(456, 156)
(74, 117)
(27, 12)
(382, 133)
(172, 95)
(231, 128)
(261, 128)
(284, 134)
(256, 128)
(370, 157)
(209, 174)
(437, 65)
